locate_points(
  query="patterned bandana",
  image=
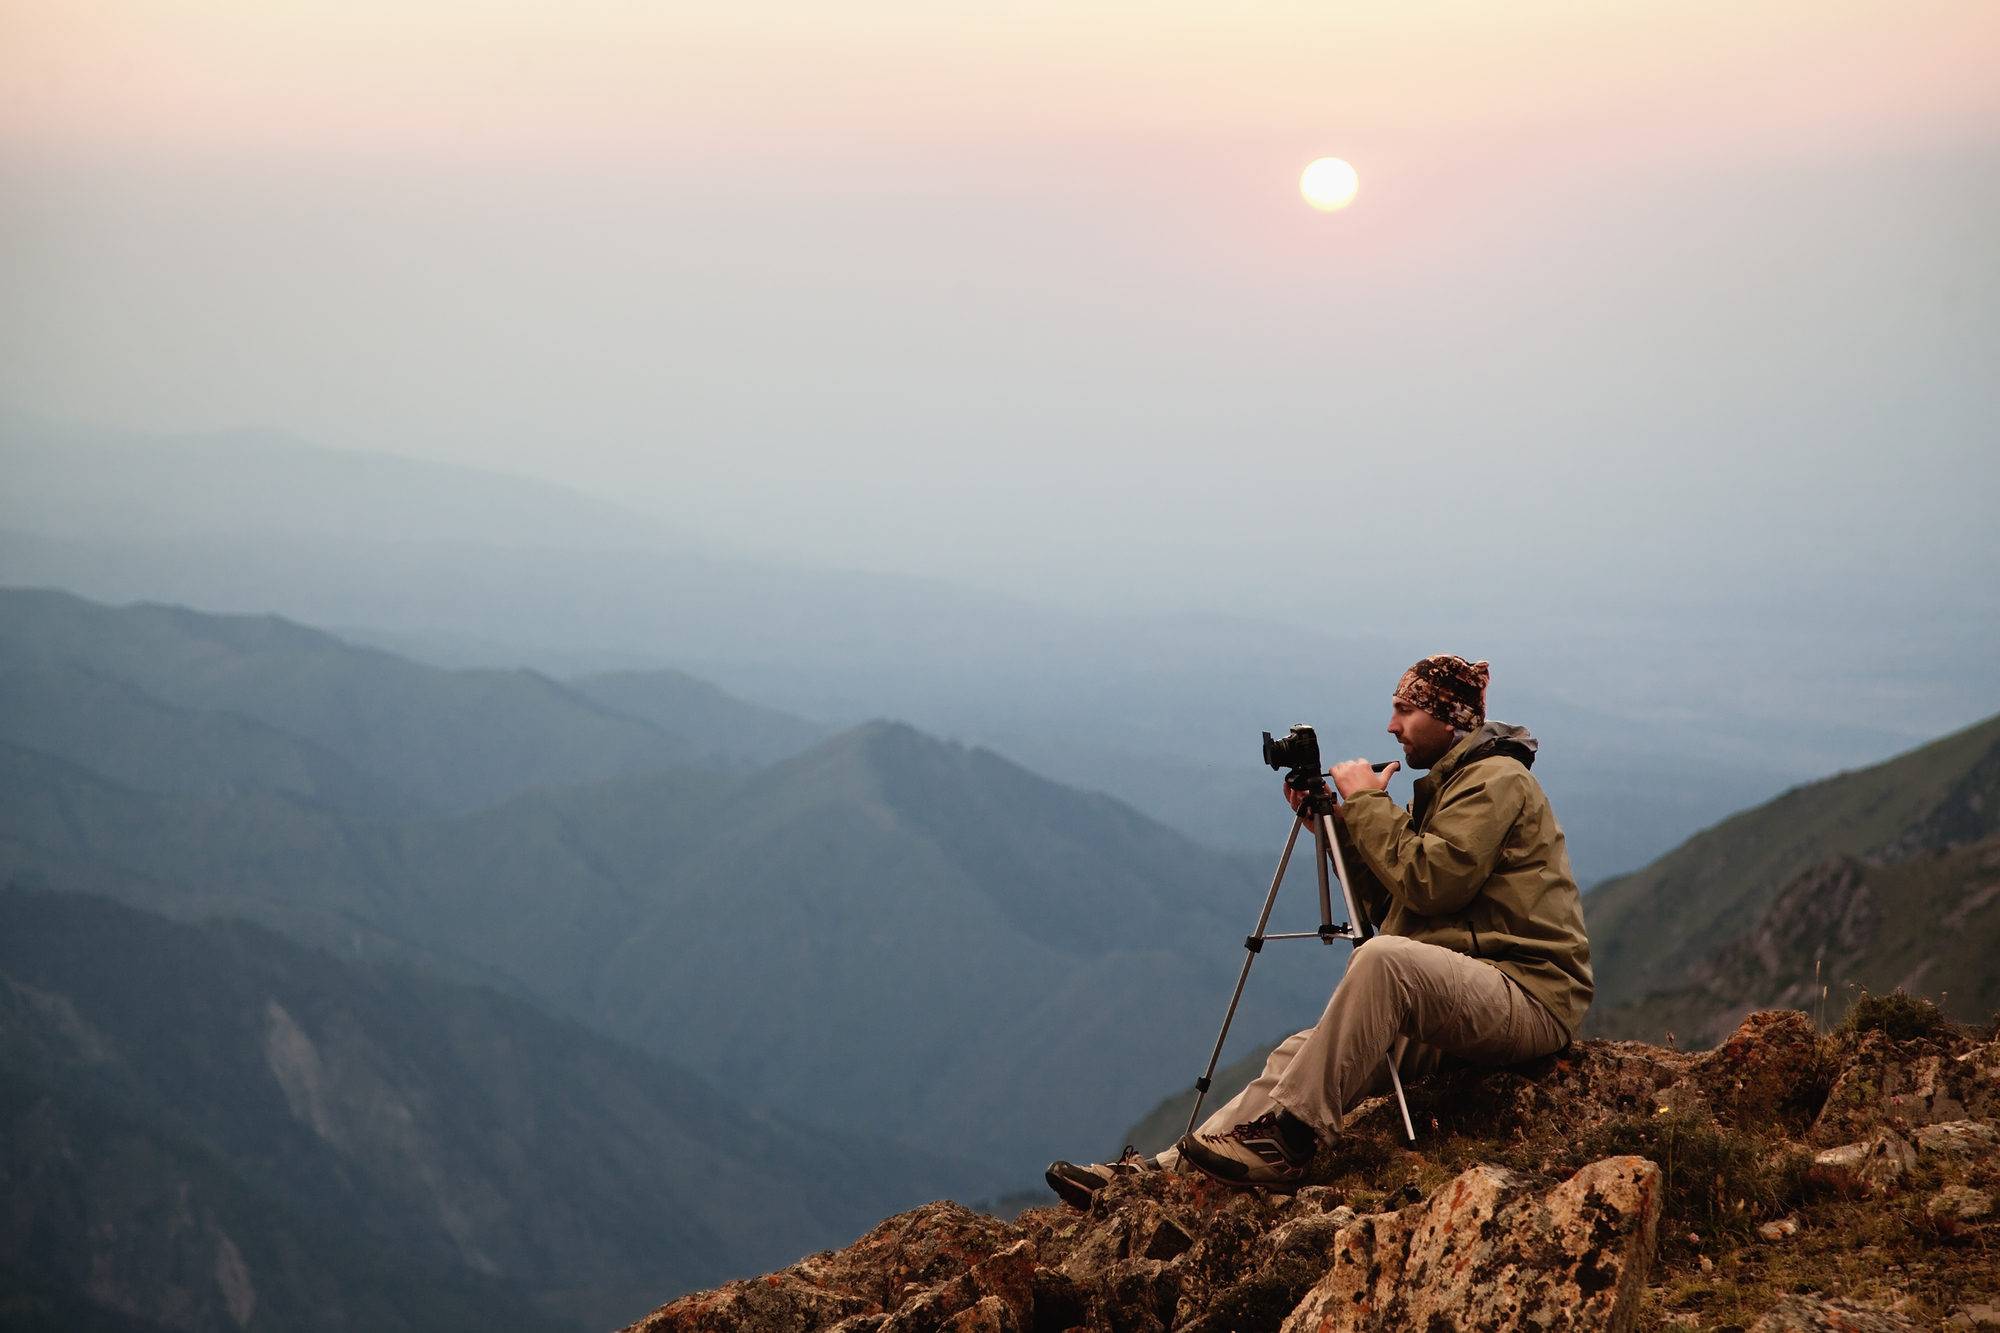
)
(1449, 688)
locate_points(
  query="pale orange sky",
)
(600, 77)
(1025, 294)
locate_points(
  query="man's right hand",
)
(1358, 775)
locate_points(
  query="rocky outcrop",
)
(1491, 1251)
(1900, 1084)
(1538, 1198)
(912, 1255)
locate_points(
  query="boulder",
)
(1960, 1201)
(1497, 1250)
(1886, 1083)
(1768, 1069)
(1880, 1163)
(1957, 1138)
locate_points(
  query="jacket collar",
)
(1490, 739)
(1454, 758)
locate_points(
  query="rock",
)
(1140, 1230)
(1766, 1068)
(913, 1251)
(1137, 1296)
(1495, 1250)
(1879, 1163)
(997, 1295)
(1961, 1138)
(1593, 1080)
(1814, 1314)
(1918, 1082)
(1972, 1316)
(1960, 1201)
(780, 1301)
(1782, 1229)
(1307, 1239)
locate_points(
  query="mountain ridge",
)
(1663, 938)
(448, 739)
(886, 934)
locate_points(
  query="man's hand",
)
(1295, 796)
(1359, 775)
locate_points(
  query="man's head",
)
(1438, 699)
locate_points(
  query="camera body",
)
(1297, 750)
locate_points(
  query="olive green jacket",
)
(1477, 864)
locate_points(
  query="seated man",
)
(1481, 953)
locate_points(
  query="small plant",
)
(1716, 1179)
(1900, 1016)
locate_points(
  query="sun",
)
(1328, 184)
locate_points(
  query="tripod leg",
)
(1320, 828)
(1253, 945)
(1330, 846)
(1396, 1078)
(1328, 842)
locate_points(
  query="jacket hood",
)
(1492, 738)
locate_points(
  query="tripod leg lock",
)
(1254, 943)
(1202, 1084)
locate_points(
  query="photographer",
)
(1481, 953)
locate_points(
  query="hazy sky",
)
(1640, 305)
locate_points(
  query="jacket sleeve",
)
(1439, 871)
(1369, 895)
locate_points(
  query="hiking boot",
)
(1273, 1150)
(1078, 1185)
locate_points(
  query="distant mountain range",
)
(1884, 877)
(209, 1127)
(886, 934)
(707, 987)
(460, 567)
(151, 695)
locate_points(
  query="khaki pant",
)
(1443, 1001)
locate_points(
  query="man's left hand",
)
(1357, 775)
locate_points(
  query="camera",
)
(1299, 752)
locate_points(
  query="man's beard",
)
(1427, 757)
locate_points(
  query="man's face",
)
(1426, 739)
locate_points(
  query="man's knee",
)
(1385, 955)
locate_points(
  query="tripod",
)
(1316, 808)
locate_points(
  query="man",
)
(1481, 953)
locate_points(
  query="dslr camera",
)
(1297, 750)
